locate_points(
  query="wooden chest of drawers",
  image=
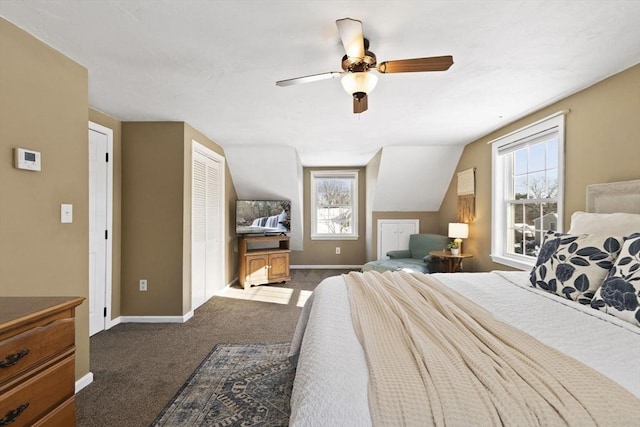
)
(37, 365)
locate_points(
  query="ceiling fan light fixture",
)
(358, 60)
(362, 81)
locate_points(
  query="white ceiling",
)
(214, 64)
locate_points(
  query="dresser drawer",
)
(63, 416)
(30, 400)
(23, 351)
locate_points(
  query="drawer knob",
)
(13, 414)
(12, 359)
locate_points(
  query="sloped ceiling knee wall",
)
(269, 173)
(414, 179)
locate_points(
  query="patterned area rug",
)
(236, 384)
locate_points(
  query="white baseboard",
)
(84, 381)
(223, 290)
(155, 319)
(113, 322)
(325, 267)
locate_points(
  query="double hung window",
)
(527, 191)
(334, 205)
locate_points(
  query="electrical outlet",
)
(337, 250)
(143, 285)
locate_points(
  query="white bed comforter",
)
(330, 388)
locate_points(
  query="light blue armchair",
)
(415, 258)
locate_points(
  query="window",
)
(334, 205)
(528, 172)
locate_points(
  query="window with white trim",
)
(527, 196)
(334, 205)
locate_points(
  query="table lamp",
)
(458, 231)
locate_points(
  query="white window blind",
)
(527, 190)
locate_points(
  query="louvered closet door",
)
(199, 231)
(206, 256)
(213, 255)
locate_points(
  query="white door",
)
(214, 254)
(393, 234)
(406, 229)
(387, 238)
(98, 228)
(207, 231)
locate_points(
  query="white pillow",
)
(614, 224)
(575, 265)
(619, 295)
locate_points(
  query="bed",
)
(332, 383)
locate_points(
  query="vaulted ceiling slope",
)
(214, 64)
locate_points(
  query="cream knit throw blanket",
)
(436, 358)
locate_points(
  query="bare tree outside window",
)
(334, 198)
(527, 180)
(533, 207)
(334, 205)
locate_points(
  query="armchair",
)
(415, 258)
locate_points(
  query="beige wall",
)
(602, 144)
(116, 229)
(323, 252)
(44, 107)
(152, 207)
(429, 223)
(156, 212)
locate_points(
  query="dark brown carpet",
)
(139, 367)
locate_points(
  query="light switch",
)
(66, 213)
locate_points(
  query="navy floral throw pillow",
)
(619, 295)
(574, 266)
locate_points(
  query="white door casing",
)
(100, 219)
(207, 225)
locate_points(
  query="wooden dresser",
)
(37, 363)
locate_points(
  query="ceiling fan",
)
(358, 62)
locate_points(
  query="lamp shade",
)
(361, 81)
(458, 230)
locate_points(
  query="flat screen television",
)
(263, 216)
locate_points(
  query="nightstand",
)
(451, 263)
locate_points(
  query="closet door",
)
(199, 231)
(207, 221)
(406, 229)
(387, 238)
(214, 256)
(99, 244)
(393, 234)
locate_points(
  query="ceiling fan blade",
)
(434, 63)
(352, 39)
(308, 79)
(360, 104)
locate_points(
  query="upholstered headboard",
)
(613, 197)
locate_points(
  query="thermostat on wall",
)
(27, 159)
